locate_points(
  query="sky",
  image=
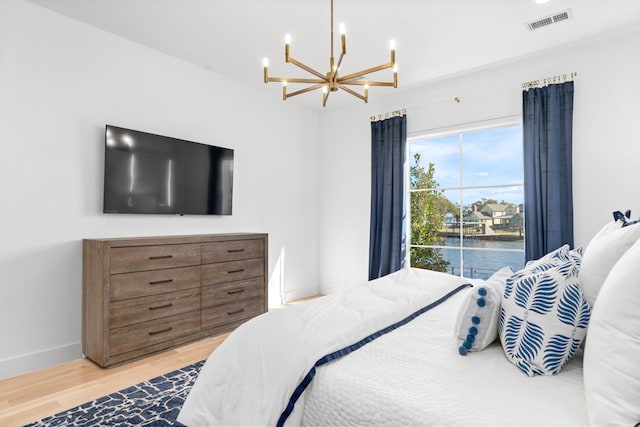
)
(489, 157)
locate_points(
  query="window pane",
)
(428, 214)
(482, 264)
(444, 154)
(431, 258)
(492, 157)
(494, 214)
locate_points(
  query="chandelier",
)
(332, 81)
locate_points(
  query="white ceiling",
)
(434, 38)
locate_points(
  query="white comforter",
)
(414, 376)
(250, 378)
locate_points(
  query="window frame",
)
(457, 130)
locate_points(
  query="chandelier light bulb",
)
(265, 62)
(287, 39)
(284, 83)
(395, 68)
(342, 30)
(392, 44)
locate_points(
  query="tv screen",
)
(152, 174)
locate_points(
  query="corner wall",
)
(61, 81)
(605, 147)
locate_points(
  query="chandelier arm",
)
(365, 83)
(325, 96)
(307, 68)
(339, 62)
(305, 90)
(365, 72)
(296, 80)
(352, 92)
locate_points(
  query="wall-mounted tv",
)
(152, 174)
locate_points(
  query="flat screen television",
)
(152, 174)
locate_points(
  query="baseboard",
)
(30, 362)
(296, 295)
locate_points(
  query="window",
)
(466, 201)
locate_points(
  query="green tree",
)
(428, 210)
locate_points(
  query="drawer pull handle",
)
(231, 313)
(158, 307)
(160, 257)
(235, 271)
(159, 282)
(235, 250)
(235, 291)
(160, 331)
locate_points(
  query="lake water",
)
(481, 264)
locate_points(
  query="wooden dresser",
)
(145, 294)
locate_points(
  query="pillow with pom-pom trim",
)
(477, 321)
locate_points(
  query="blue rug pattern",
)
(152, 403)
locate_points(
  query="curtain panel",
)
(548, 195)
(388, 211)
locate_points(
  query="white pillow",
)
(477, 321)
(544, 314)
(612, 350)
(602, 252)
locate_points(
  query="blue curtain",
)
(548, 197)
(386, 237)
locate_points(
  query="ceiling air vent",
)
(549, 20)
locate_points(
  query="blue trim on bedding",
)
(353, 347)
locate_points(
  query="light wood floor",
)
(30, 397)
(42, 393)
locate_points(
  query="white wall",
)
(605, 140)
(60, 83)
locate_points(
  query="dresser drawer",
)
(138, 310)
(232, 250)
(133, 285)
(224, 293)
(141, 335)
(231, 271)
(221, 315)
(142, 258)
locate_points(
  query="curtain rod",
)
(549, 80)
(560, 78)
(385, 116)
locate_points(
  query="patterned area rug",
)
(156, 403)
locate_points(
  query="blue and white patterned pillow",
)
(544, 314)
(552, 259)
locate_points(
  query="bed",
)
(395, 351)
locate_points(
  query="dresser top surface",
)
(175, 239)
